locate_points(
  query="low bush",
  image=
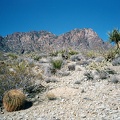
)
(73, 52)
(12, 56)
(14, 76)
(110, 55)
(57, 63)
(97, 65)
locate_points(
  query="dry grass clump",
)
(109, 55)
(97, 65)
(72, 52)
(12, 56)
(90, 53)
(51, 96)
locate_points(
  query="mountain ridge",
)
(46, 41)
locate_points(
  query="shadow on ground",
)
(27, 105)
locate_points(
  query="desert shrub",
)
(66, 53)
(14, 76)
(54, 53)
(97, 65)
(72, 52)
(109, 55)
(12, 55)
(37, 58)
(57, 64)
(91, 54)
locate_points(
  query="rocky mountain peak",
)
(45, 41)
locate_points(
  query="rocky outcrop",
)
(30, 41)
(81, 38)
(45, 41)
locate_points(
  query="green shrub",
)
(57, 63)
(73, 52)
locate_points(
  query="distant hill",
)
(46, 41)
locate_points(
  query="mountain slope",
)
(46, 41)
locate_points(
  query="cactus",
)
(13, 100)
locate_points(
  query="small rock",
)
(48, 70)
(83, 63)
(116, 61)
(103, 74)
(77, 57)
(83, 116)
(82, 91)
(48, 80)
(86, 98)
(99, 59)
(78, 68)
(63, 73)
(77, 82)
(44, 60)
(71, 66)
(114, 79)
(88, 75)
(95, 74)
(110, 71)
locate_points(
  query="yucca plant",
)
(57, 64)
(13, 100)
(114, 36)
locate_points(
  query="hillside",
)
(84, 88)
(75, 84)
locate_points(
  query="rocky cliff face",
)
(82, 38)
(46, 41)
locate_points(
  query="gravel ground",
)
(88, 100)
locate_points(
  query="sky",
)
(59, 16)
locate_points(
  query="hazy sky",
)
(59, 16)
